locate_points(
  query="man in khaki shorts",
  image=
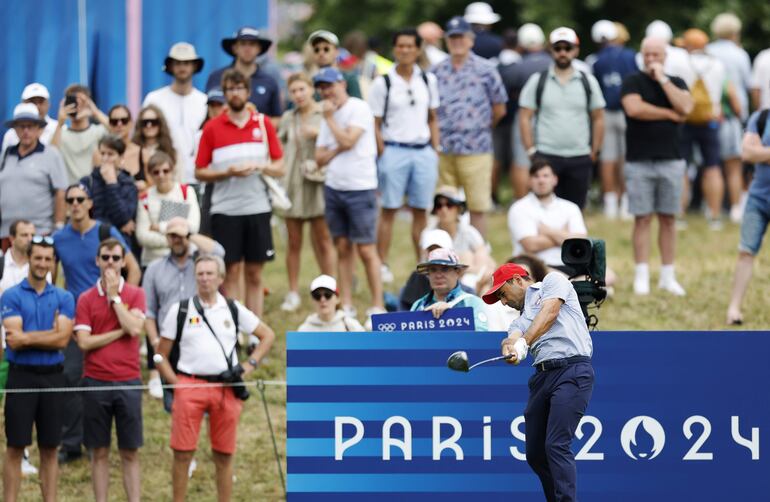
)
(472, 101)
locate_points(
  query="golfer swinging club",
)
(552, 327)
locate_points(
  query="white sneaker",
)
(641, 286)
(715, 224)
(155, 388)
(369, 312)
(27, 469)
(291, 301)
(191, 469)
(673, 287)
(736, 213)
(385, 274)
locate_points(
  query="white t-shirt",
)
(760, 77)
(528, 212)
(353, 169)
(712, 71)
(11, 138)
(184, 115)
(408, 104)
(199, 353)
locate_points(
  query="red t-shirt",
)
(221, 133)
(117, 361)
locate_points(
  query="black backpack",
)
(184, 306)
(762, 122)
(386, 77)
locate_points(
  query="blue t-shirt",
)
(612, 65)
(37, 312)
(77, 254)
(760, 185)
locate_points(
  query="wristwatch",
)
(531, 151)
(116, 300)
(253, 362)
(157, 358)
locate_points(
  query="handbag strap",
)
(199, 308)
(264, 136)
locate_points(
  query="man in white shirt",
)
(37, 94)
(404, 103)
(760, 81)
(183, 106)
(540, 222)
(206, 336)
(346, 144)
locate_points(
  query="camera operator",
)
(205, 330)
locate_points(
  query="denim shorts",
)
(706, 138)
(756, 217)
(352, 214)
(409, 172)
(730, 138)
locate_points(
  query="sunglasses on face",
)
(119, 121)
(42, 239)
(114, 257)
(317, 295)
(72, 200)
(150, 122)
(562, 48)
(318, 50)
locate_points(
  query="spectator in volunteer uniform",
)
(237, 149)
(37, 94)
(183, 106)
(328, 315)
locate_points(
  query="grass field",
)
(705, 266)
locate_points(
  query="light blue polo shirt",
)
(562, 126)
(37, 312)
(569, 335)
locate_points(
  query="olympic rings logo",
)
(386, 326)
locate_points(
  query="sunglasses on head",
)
(562, 48)
(114, 257)
(318, 294)
(119, 120)
(150, 122)
(43, 240)
(72, 200)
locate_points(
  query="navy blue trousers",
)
(557, 401)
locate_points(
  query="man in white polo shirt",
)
(404, 103)
(540, 222)
(37, 94)
(183, 105)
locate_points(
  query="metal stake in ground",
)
(458, 361)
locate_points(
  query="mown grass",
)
(704, 266)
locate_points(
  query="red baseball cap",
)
(504, 273)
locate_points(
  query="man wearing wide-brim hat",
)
(38, 95)
(246, 46)
(183, 106)
(444, 269)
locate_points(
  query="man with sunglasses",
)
(182, 104)
(568, 108)
(109, 319)
(37, 318)
(326, 51)
(404, 103)
(37, 94)
(76, 245)
(32, 177)
(246, 47)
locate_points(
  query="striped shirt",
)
(224, 144)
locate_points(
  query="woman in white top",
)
(165, 199)
(467, 241)
(328, 315)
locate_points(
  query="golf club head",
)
(458, 361)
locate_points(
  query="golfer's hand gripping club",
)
(515, 349)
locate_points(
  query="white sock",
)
(667, 273)
(611, 203)
(643, 271)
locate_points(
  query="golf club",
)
(458, 361)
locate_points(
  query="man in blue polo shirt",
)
(76, 245)
(37, 318)
(552, 326)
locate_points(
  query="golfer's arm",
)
(543, 320)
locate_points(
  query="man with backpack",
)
(404, 102)
(199, 347)
(568, 107)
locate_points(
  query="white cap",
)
(35, 90)
(564, 34)
(480, 13)
(659, 29)
(436, 237)
(324, 281)
(604, 31)
(530, 36)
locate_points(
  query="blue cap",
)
(328, 75)
(457, 26)
(81, 186)
(215, 95)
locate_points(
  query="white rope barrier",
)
(251, 383)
